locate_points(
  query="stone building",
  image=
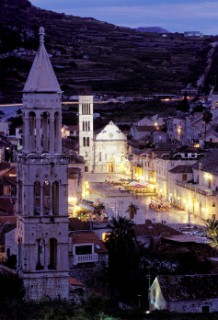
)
(104, 152)
(185, 293)
(110, 150)
(42, 208)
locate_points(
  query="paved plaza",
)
(117, 201)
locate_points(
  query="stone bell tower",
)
(86, 143)
(42, 211)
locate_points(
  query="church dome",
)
(111, 132)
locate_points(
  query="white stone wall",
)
(193, 306)
(10, 242)
(53, 285)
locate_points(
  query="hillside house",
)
(184, 293)
(87, 255)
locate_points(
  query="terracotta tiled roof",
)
(75, 282)
(154, 229)
(7, 206)
(4, 165)
(7, 170)
(145, 128)
(7, 224)
(73, 127)
(8, 220)
(181, 169)
(189, 287)
(209, 162)
(77, 225)
(184, 238)
(72, 171)
(82, 237)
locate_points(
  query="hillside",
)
(93, 57)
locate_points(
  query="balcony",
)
(85, 258)
(197, 188)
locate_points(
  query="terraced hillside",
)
(94, 57)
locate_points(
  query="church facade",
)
(42, 207)
(105, 152)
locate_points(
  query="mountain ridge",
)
(94, 57)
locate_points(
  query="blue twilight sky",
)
(173, 15)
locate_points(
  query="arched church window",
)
(55, 198)
(56, 125)
(20, 192)
(45, 131)
(31, 135)
(86, 125)
(32, 121)
(86, 108)
(52, 254)
(85, 141)
(36, 197)
(40, 254)
(46, 197)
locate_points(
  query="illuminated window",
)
(105, 236)
(184, 177)
(7, 190)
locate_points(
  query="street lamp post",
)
(139, 297)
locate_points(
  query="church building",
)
(42, 206)
(105, 152)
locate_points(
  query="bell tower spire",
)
(41, 35)
(42, 208)
(42, 105)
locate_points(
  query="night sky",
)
(173, 15)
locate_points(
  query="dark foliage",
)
(125, 268)
(11, 287)
(14, 123)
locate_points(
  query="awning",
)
(85, 206)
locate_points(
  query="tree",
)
(125, 254)
(132, 210)
(99, 208)
(207, 118)
(11, 287)
(212, 232)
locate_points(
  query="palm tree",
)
(212, 231)
(122, 232)
(99, 208)
(124, 258)
(132, 210)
